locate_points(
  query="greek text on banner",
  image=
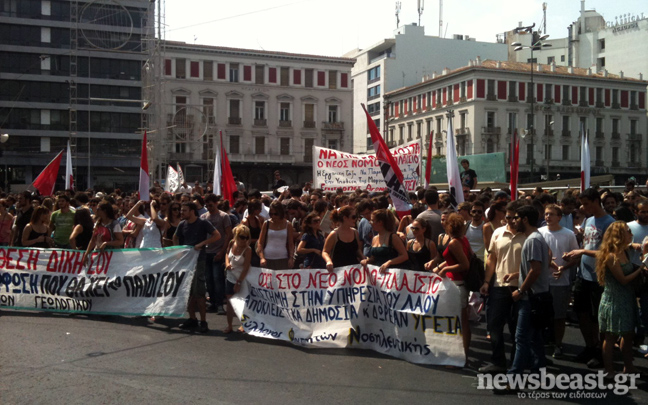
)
(150, 282)
(406, 314)
(333, 169)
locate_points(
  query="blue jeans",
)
(500, 310)
(529, 346)
(215, 278)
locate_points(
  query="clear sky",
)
(334, 27)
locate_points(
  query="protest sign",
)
(406, 314)
(333, 169)
(149, 282)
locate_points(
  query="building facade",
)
(271, 108)
(592, 42)
(71, 70)
(491, 99)
(404, 60)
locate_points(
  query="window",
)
(259, 145)
(373, 92)
(259, 110)
(615, 126)
(195, 68)
(234, 73)
(374, 108)
(418, 130)
(370, 143)
(599, 125)
(308, 149)
(490, 119)
(332, 74)
(530, 121)
(615, 154)
(512, 122)
(309, 115)
(332, 144)
(439, 125)
(551, 59)
(490, 146)
(461, 147)
(181, 68)
(234, 144)
(167, 67)
(285, 76)
(599, 153)
(374, 74)
(284, 146)
(582, 123)
(284, 112)
(548, 92)
(462, 90)
(633, 127)
(234, 109)
(565, 123)
(548, 152)
(615, 97)
(208, 109)
(401, 134)
(562, 58)
(309, 78)
(409, 132)
(333, 113)
(490, 88)
(259, 74)
(208, 70)
(565, 152)
(601, 44)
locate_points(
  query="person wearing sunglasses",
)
(173, 220)
(312, 242)
(343, 246)
(237, 266)
(387, 249)
(276, 244)
(420, 249)
(475, 229)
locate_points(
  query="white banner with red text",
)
(130, 282)
(333, 169)
(410, 315)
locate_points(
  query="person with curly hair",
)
(617, 314)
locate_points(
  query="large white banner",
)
(333, 169)
(406, 314)
(150, 282)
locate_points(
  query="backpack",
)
(475, 276)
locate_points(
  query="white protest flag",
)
(585, 159)
(181, 178)
(452, 167)
(69, 177)
(171, 180)
(217, 170)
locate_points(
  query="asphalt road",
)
(57, 358)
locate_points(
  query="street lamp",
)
(536, 45)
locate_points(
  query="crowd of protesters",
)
(542, 255)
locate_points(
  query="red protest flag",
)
(144, 179)
(228, 185)
(389, 169)
(46, 180)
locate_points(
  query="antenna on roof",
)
(420, 5)
(544, 18)
(440, 18)
(398, 9)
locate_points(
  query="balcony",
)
(616, 164)
(261, 158)
(530, 99)
(234, 120)
(599, 135)
(616, 106)
(513, 98)
(566, 133)
(491, 97)
(599, 104)
(462, 131)
(566, 102)
(309, 124)
(450, 102)
(260, 122)
(634, 137)
(599, 163)
(549, 133)
(285, 124)
(634, 106)
(548, 100)
(333, 126)
(616, 135)
(582, 103)
(491, 130)
(180, 156)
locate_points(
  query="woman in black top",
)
(444, 238)
(173, 220)
(254, 222)
(37, 230)
(343, 246)
(83, 227)
(420, 250)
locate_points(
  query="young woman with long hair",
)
(343, 246)
(254, 222)
(617, 315)
(172, 219)
(36, 233)
(82, 231)
(387, 249)
(276, 244)
(237, 265)
(312, 242)
(420, 250)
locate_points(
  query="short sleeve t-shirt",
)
(592, 238)
(560, 242)
(433, 219)
(639, 233)
(191, 234)
(468, 178)
(63, 225)
(313, 260)
(535, 249)
(221, 222)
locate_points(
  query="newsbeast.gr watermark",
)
(577, 385)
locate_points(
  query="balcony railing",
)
(599, 163)
(616, 135)
(260, 122)
(513, 98)
(491, 130)
(616, 106)
(566, 101)
(599, 104)
(549, 132)
(582, 103)
(616, 164)
(634, 106)
(234, 120)
(462, 131)
(285, 124)
(634, 137)
(566, 133)
(599, 135)
(336, 126)
(309, 124)
(491, 97)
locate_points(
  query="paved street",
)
(57, 358)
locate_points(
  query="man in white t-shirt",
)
(560, 241)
